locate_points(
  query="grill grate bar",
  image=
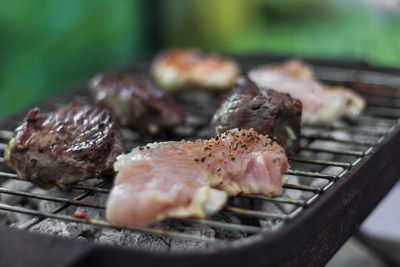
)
(373, 120)
(303, 188)
(251, 196)
(3, 146)
(310, 174)
(384, 111)
(321, 162)
(102, 206)
(51, 198)
(102, 223)
(256, 213)
(91, 188)
(9, 175)
(338, 140)
(81, 196)
(348, 129)
(274, 199)
(334, 151)
(4, 134)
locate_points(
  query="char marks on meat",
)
(193, 179)
(267, 111)
(322, 105)
(74, 143)
(136, 102)
(180, 69)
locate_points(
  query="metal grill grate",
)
(326, 155)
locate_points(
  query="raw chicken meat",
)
(193, 179)
(175, 70)
(322, 105)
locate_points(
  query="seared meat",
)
(267, 111)
(181, 179)
(136, 102)
(322, 105)
(179, 69)
(74, 143)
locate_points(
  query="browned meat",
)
(267, 111)
(74, 143)
(136, 102)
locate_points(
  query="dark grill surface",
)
(327, 156)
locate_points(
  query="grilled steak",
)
(322, 105)
(181, 179)
(74, 143)
(267, 111)
(175, 70)
(136, 102)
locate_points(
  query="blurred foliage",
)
(344, 28)
(48, 45)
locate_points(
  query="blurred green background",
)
(47, 46)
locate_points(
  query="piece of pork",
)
(322, 105)
(267, 111)
(137, 103)
(74, 143)
(177, 69)
(193, 179)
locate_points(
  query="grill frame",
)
(319, 224)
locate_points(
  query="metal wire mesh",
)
(326, 155)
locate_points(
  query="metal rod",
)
(4, 134)
(91, 188)
(321, 162)
(51, 198)
(9, 175)
(373, 120)
(338, 140)
(3, 146)
(81, 196)
(302, 188)
(274, 199)
(256, 213)
(102, 223)
(310, 174)
(334, 151)
(348, 129)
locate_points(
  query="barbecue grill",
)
(335, 180)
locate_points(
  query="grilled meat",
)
(267, 111)
(322, 105)
(175, 70)
(74, 143)
(136, 102)
(182, 179)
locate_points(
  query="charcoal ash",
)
(65, 229)
(15, 185)
(128, 238)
